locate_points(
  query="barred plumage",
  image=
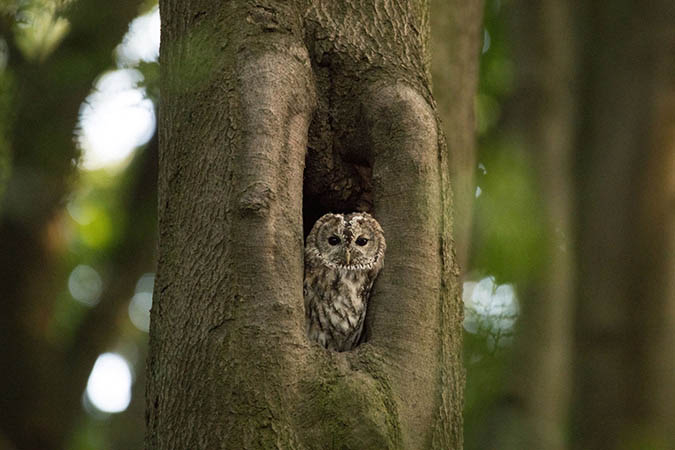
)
(343, 255)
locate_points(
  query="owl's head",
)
(348, 241)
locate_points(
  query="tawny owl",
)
(343, 255)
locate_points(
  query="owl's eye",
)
(333, 240)
(361, 241)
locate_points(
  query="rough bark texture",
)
(626, 331)
(251, 94)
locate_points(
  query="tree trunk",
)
(626, 331)
(607, 106)
(251, 95)
(456, 35)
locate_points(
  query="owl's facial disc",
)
(348, 241)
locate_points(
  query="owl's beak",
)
(347, 256)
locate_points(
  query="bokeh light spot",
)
(109, 385)
(489, 307)
(486, 41)
(146, 283)
(139, 310)
(85, 285)
(115, 119)
(141, 43)
(141, 302)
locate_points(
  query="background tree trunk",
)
(250, 94)
(594, 106)
(626, 330)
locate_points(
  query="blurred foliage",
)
(150, 82)
(508, 223)
(509, 226)
(91, 242)
(6, 99)
(508, 230)
(485, 367)
(490, 314)
(39, 27)
(92, 225)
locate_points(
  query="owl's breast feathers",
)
(335, 304)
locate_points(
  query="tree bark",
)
(456, 36)
(252, 94)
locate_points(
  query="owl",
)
(343, 255)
